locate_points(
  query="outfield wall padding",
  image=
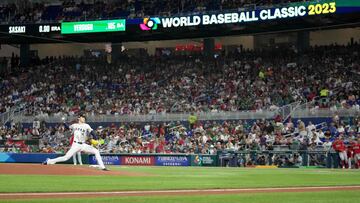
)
(120, 159)
(35, 158)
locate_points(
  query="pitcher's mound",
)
(37, 169)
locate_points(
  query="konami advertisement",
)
(138, 160)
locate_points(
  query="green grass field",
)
(171, 178)
(314, 197)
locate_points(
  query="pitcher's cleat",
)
(45, 162)
(105, 169)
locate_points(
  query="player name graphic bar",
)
(93, 26)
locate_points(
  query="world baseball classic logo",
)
(150, 24)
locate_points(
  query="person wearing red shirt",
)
(159, 145)
(350, 152)
(339, 146)
(356, 152)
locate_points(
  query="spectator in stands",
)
(170, 95)
(192, 120)
(151, 85)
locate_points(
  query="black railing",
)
(281, 158)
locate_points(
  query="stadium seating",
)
(151, 85)
(206, 137)
(160, 84)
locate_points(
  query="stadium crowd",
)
(70, 10)
(205, 137)
(240, 80)
(164, 83)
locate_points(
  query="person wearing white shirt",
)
(327, 145)
(320, 134)
(315, 139)
(310, 127)
(341, 129)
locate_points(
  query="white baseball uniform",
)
(80, 131)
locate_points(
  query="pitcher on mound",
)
(81, 132)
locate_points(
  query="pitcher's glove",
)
(95, 143)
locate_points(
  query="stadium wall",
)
(67, 49)
(97, 124)
(333, 36)
(223, 158)
(73, 49)
(121, 159)
(7, 50)
(246, 41)
(34, 157)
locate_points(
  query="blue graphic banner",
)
(172, 161)
(107, 159)
(25, 158)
